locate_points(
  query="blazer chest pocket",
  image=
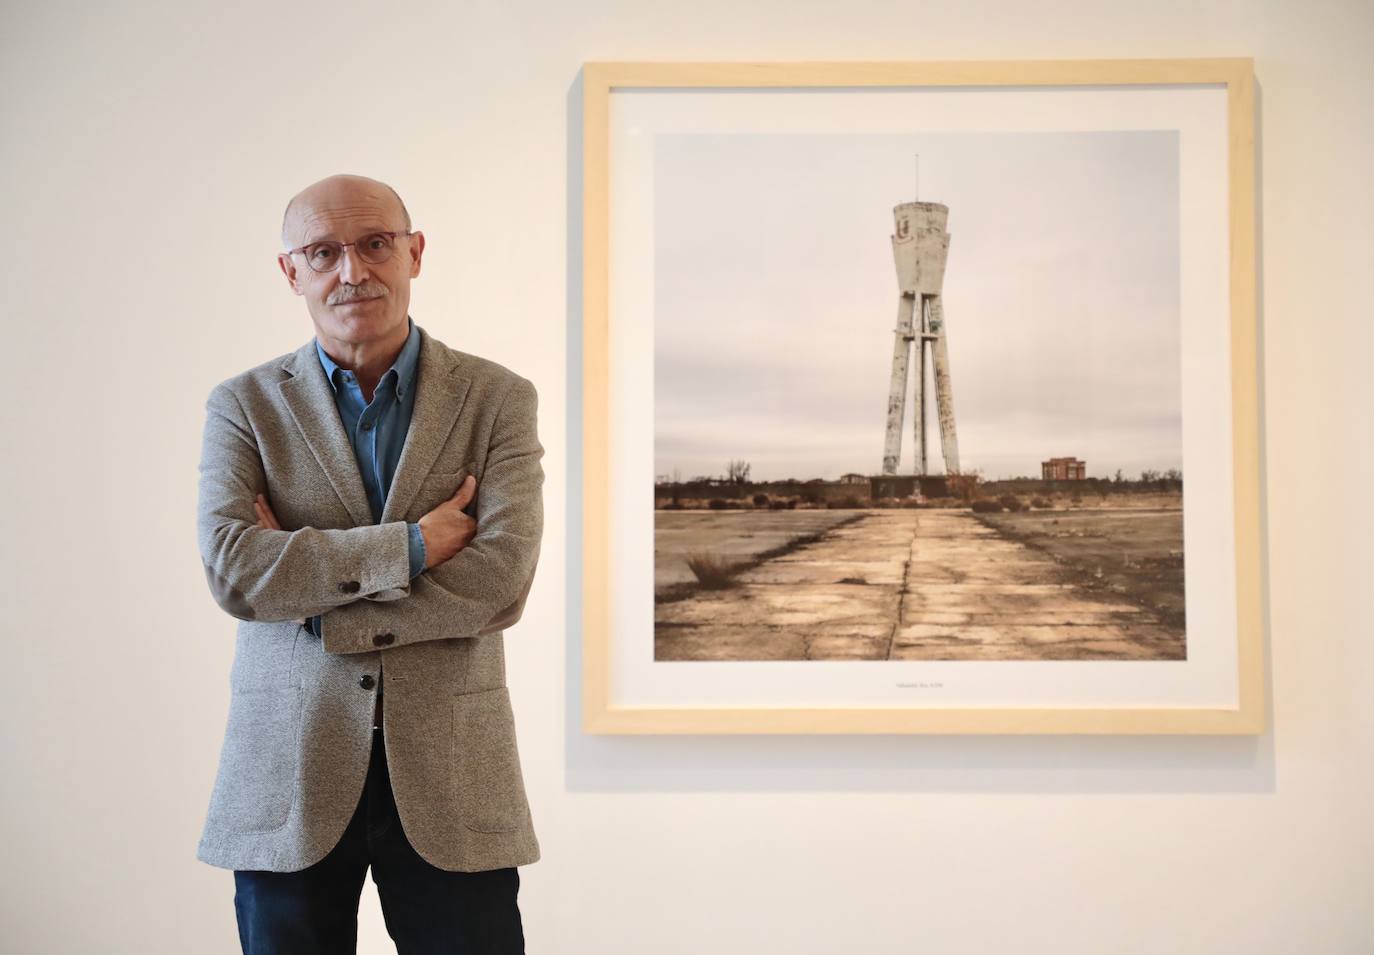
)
(487, 783)
(438, 486)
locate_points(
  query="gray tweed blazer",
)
(299, 731)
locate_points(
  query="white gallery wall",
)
(146, 152)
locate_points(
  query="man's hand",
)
(265, 516)
(446, 529)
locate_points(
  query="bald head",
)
(342, 191)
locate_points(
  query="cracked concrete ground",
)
(730, 535)
(903, 584)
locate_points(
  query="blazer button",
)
(384, 639)
(367, 682)
(349, 587)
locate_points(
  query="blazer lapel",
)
(439, 395)
(310, 398)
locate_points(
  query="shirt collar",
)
(404, 365)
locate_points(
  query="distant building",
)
(852, 478)
(1063, 469)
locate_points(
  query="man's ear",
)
(417, 249)
(288, 268)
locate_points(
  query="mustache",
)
(357, 293)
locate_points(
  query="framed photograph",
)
(893, 377)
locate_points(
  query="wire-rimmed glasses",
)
(326, 254)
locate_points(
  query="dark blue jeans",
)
(427, 909)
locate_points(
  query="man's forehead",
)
(342, 203)
(327, 222)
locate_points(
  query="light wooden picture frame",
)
(1073, 239)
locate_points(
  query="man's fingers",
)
(463, 496)
(265, 515)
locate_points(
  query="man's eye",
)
(376, 242)
(321, 252)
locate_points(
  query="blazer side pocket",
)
(487, 783)
(256, 785)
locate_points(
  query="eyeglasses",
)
(325, 255)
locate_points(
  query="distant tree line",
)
(737, 472)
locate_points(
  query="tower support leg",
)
(944, 387)
(918, 420)
(896, 393)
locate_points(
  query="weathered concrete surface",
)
(909, 584)
(1111, 550)
(728, 535)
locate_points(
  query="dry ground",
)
(928, 584)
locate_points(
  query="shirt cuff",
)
(417, 550)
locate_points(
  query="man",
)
(370, 506)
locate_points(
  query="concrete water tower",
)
(920, 246)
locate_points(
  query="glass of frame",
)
(893, 373)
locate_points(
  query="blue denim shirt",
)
(377, 431)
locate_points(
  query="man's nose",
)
(352, 268)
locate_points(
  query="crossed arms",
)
(357, 578)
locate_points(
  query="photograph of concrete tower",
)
(920, 246)
(812, 503)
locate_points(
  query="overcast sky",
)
(776, 298)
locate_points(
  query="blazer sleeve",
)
(256, 573)
(482, 589)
